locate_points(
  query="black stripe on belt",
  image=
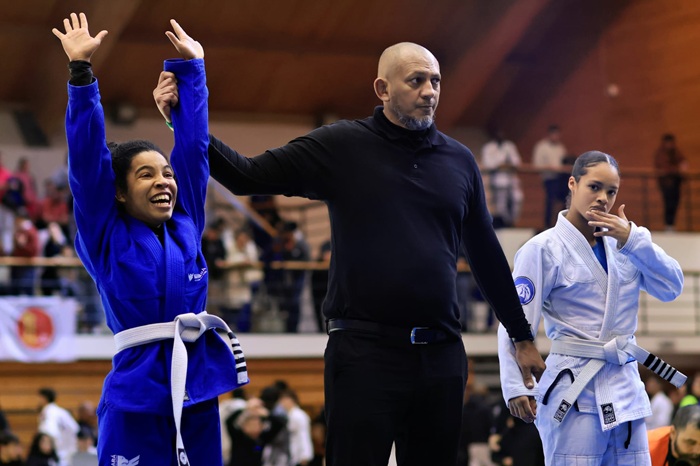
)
(415, 335)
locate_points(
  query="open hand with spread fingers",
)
(77, 41)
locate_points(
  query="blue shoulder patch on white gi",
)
(525, 289)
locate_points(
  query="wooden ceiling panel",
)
(292, 57)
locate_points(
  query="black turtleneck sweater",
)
(400, 204)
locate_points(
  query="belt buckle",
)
(413, 336)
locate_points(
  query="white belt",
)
(620, 350)
(186, 327)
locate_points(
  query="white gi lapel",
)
(575, 241)
(603, 392)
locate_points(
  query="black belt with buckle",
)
(415, 335)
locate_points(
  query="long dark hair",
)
(35, 449)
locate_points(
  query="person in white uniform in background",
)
(59, 423)
(661, 404)
(584, 277)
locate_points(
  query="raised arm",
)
(91, 177)
(190, 117)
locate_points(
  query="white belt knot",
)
(190, 327)
(186, 327)
(613, 350)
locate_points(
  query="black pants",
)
(670, 186)
(378, 393)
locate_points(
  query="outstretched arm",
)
(77, 41)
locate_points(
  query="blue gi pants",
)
(124, 436)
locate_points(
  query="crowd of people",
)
(61, 438)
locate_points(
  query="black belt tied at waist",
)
(415, 335)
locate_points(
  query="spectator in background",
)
(59, 177)
(54, 207)
(10, 450)
(12, 201)
(500, 159)
(548, 156)
(301, 450)
(86, 455)
(276, 452)
(287, 285)
(214, 252)
(661, 404)
(25, 243)
(4, 425)
(319, 429)
(42, 451)
(265, 205)
(58, 423)
(241, 281)
(24, 174)
(319, 284)
(251, 430)
(670, 166)
(56, 241)
(227, 408)
(692, 397)
(7, 218)
(679, 443)
(477, 426)
(87, 419)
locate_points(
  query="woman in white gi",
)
(584, 277)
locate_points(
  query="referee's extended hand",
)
(530, 362)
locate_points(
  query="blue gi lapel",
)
(174, 274)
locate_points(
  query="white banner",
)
(37, 329)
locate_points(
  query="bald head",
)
(408, 84)
(396, 55)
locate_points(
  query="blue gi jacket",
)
(140, 280)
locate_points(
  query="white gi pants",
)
(580, 441)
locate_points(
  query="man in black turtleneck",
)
(402, 197)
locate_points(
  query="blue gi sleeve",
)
(189, 157)
(89, 168)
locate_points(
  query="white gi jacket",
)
(558, 277)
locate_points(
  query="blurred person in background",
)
(670, 165)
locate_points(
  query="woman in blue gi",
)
(584, 277)
(139, 237)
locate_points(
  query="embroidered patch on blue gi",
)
(182, 459)
(608, 413)
(197, 276)
(525, 289)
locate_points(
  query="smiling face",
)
(595, 190)
(408, 83)
(151, 189)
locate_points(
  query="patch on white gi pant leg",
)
(562, 410)
(608, 413)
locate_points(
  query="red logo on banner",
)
(35, 328)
